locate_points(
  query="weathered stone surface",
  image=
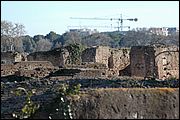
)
(167, 62)
(118, 61)
(142, 61)
(102, 54)
(125, 103)
(30, 65)
(139, 61)
(28, 68)
(88, 55)
(45, 93)
(11, 57)
(160, 62)
(114, 59)
(57, 57)
(120, 58)
(7, 69)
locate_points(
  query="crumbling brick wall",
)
(37, 73)
(34, 68)
(167, 62)
(114, 59)
(88, 55)
(57, 57)
(142, 61)
(11, 57)
(28, 68)
(30, 65)
(119, 60)
(161, 62)
(7, 69)
(102, 54)
(97, 54)
(7, 57)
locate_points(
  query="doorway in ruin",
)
(110, 61)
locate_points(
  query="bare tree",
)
(10, 35)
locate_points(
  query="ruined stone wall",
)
(142, 61)
(38, 69)
(114, 59)
(88, 55)
(160, 62)
(167, 62)
(18, 57)
(122, 103)
(102, 54)
(98, 98)
(37, 73)
(7, 69)
(57, 57)
(118, 60)
(28, 68)
(7, 57)
(11, 57)
(30, 65)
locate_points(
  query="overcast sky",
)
(41, 17)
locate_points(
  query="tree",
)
(36, 38)
(43, 45)
(71, 38)
(52, 36)
(10, 35)
(29, 44)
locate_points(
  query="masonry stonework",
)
(102, 54)
(118, 60)
(88, 55)
(7, 69)
(28, 68)
(12, 57)
(142, 61)
(57, 57)
(160, 62)
(139, 61)
(114, 59)
(167, 62)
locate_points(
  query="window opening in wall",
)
(103, 73)
(32, 75)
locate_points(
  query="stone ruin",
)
(38, 69)
(142, 60)
(116, 60)
(11, 57)
(167, 62)
(159, 62)
(139, 61)
(57, 56)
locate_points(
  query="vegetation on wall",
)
(60, 107)
(75, 51)
(29, 107)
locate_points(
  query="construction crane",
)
(92, 26)
(120, 20)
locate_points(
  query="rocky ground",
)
(45, 89)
